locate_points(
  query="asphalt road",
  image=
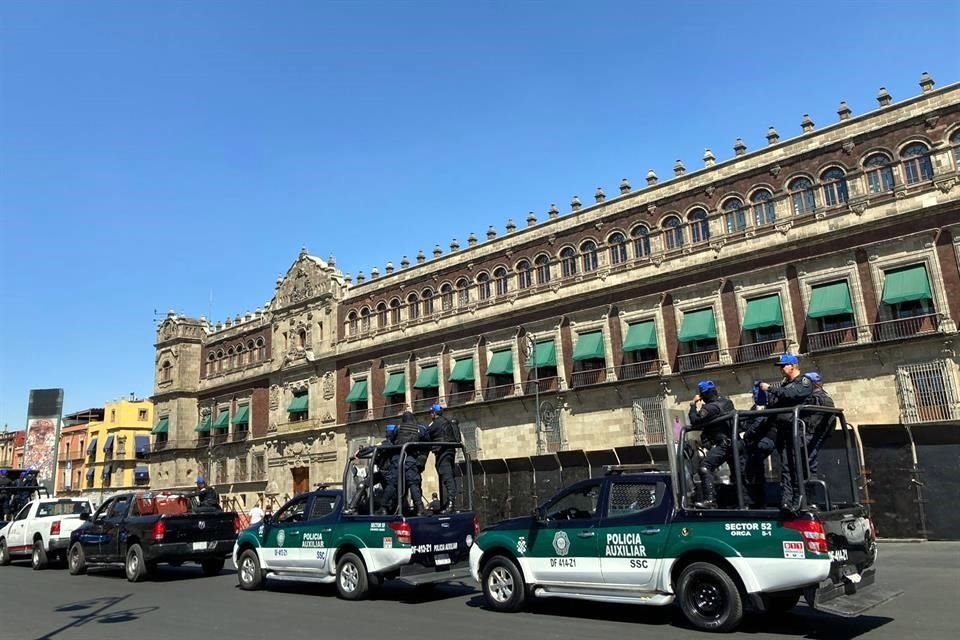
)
(180, 604)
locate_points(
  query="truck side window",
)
(23, 513)
(119, 508)
(629, 498)
(293, 512)
(578, 504)
(103, 510)
(322, 507)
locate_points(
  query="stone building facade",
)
(579, 331)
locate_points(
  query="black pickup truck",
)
(133, 529)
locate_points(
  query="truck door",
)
(284, 535)
(565, 547)
(633, 531)
(92, 534)
(113, 539)
(17, 538)
(318, 534)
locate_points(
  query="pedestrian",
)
(256, 513)
(707, 409)
(443, 430)
(818, 425)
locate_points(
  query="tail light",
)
(813, 534)
(55, 528)
(874, 532)
(159, 530)
(403, 531)
(476, 526)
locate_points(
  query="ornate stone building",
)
(577, 332)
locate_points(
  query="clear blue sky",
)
(153, 153)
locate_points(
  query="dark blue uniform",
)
(791, 394)
(717, 437)
(441, 430)
(819, 427)
(407, 431)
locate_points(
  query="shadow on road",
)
(391, 591)
(162, 574)
(96, 610)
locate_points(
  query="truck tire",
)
(76, 560)
(38, 559)
(352, 582)
(781, 602)
(249, 573)
(135, 566)
(4, 554)
(709, 598)
(503, 585)
(212, 566)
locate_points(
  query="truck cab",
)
(41, 530)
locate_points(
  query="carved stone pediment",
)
(308, 279)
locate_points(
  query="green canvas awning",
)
(204, 426)
(763, 312)
(589, 347)
(546, 355)
(830, 300)
(462, 370)
(223, 421)
(299, 404)
(501, 363)
(906, 285)
(698, 325)
(162, 427)
(642, 335)
(428, 378)
(243, 415)
(358, 392)
(396, 384)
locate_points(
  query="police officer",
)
(379, 468)
(819, 425)
(408, 431)
(441, 430)
(705, 409)
(4, 494)
(208, 498)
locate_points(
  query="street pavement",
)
(181, 604)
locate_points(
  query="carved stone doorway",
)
(301, 480)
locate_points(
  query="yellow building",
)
(118, 449)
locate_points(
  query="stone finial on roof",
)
(739, 148)
(553, 212)
(203, 319)
(389, 268)
(437, 251)
(360, 277)
(926, 82)
(454, 246)
(421, 257)
(374, 273)
(772, 136)
(708, 158)
(238, 319)
(347, 279)
(303, 251)
(884, 99)
(171, 314)
(575, 203)
(331, 261)
(491, 233)
(228, 323)
(531, 219)
(806, 124)
(651, 177)
(844, 110)
(510, 226)
(599, 195)
(472, 239)
(219, 325)
(279, 281)
(678, 168)
(404, 262)
(247, 317)
(258, 312)
(625, 186)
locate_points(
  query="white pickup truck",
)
(41, 531)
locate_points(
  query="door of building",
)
(301, 480)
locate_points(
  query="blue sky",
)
(157, 155)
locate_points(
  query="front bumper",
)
(851, 596)
(185, 551)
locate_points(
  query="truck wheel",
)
(782, 603)
(76, 560)
(709, 598)
(4, 554)
(38, 560)
(249, 573)
(352, 583)
(503, 586)
(135, 566)
(212, 567)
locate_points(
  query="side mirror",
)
(540, 515)
(84, 515)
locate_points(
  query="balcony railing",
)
(634, 370)
(591, 376)
(497, 392)
(159, 445)
(356, 415)
(392, 410)
(240, 436)
(699, 360)
(758, 351)
(824, 340)
(546, 385)
(460, 398)
(220, 437)
(422, 404)
(905, 328)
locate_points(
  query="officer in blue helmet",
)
(707, 410)
(208, 498)
(443, 430)
(408, 432)
(374, 474)
(5, 484)
(818, 425)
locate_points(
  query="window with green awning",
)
(546, 354)
(358, 392)
(906, 285)
(299, 404)
(589, 347)
(640, 336)
(462, 370)
(204, 426)
(243, 415)
(162, 427)
(223, 421)
(763, 312)
(698, 325)
(396, 384)
(501, 363)
(428, 378)
(832, 299)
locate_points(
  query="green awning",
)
(763, 312)
(243, 415)
(223, 421)
(906, 285)
(162, 427)
(589, 347)
(546, 355)
(299, 404)
(204, 426)
(830, 300)
(642, 335)
(428, 378)
(396, 384)
(501, 363)
(698, 325)
(358, 392)
(462, 370)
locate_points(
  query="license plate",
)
(441, 559)
(199, 546)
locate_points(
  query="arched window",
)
(231, 358)
(166, 371)
(542, 264)
(803, 196)
(382, 315)
(588, 254)
(764, 211)
(395, 311)
(503, 284)
(413, 306)
(352, 324)
(220, 361)
(699, 225)
(568, 262)
(252, 355)
(463, 292)
(261, 349)
(834, 182)
(211, 363)
(364, 326)
(618, 248)
(427, 301)
(955, 143)
(916, 163)
(524, 274)
(483, 286)
(641, 241)
(734, 217)
(446, 297)
(879, 173)
(673, 233)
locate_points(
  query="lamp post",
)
(532, 356)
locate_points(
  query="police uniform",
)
(441, 430)
(407, 431)
(790, 394)
(716, 435)
(819, 425)
(4, 495)
(207, 497)
(378, 469)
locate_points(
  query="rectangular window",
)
(240, 469)
(927, 392)
(259, 467)
(631, 498)
(142, 415)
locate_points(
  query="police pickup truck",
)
(318, 537)
(636, 537)
(41, 531)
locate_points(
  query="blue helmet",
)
(705, 386)
(436, 408)
(391, 428)
(3, 472)
(788, 358)
(201, 480)
(815, 378)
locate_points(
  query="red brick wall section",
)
(482, 355)
(566, 346)
(343, 388)
(796, 302)
(950, 271)
(616, 336)
(412, 378)
(728, 300)
(260, 412)
(377, 383)
(669, 350)
(445, 370)
(866, 286)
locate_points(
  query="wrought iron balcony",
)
(698, 360)
(497, 392)
(591, 376)
(357, 415)
(392, 410)
(422, 404)
(546, 385)
(634, 370)
(834, 339)
(905, 328)
(759, 351)
(460, 398)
